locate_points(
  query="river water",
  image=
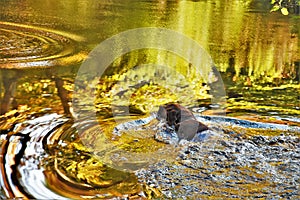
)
(70, 136)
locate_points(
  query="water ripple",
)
(49, 157)
(26, 46)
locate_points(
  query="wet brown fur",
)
(185, 123)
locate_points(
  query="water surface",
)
(43, 44)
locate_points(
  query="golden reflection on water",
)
(250, 48)
(256, 52)
(251, 44)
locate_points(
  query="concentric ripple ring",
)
(26, 46)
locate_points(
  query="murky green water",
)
(43, 44)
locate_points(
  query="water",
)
(113, 153)
(257, 50)
(56, 158)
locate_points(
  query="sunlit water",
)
(52, 157)
(47, 155)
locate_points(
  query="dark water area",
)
(68, 137)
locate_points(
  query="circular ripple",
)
(43, 157)
(41, 160)
(24, 46)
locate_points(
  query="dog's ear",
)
(172, 117)
(175, 112)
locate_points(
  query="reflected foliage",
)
(250, 46)
(286, 6)
(257, 53)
